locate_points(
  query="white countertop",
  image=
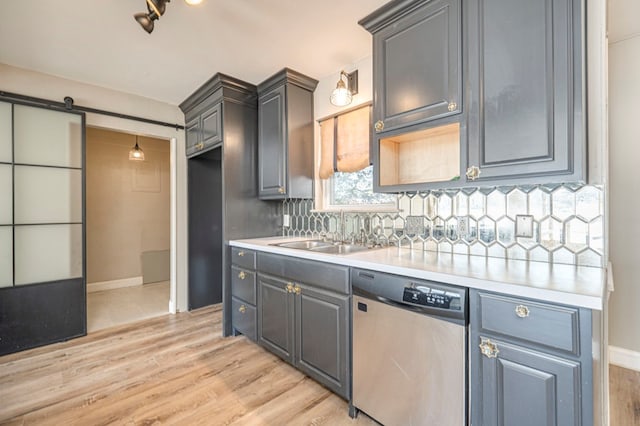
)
(580, 286)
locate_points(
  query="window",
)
(355, 189)
(345, 174)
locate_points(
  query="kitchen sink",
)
(305, 245)
(324, 246)
(341, 249)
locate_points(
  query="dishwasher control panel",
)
(418, 295)
(425, 296)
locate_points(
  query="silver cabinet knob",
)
(473, 173)
(379, 126)
(522, 311)
(489, 348)
(452, 106)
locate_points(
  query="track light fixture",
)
(156, 9)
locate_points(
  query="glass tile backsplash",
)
(567, 223)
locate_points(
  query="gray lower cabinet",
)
(306, 324)
(276, 316)
(530, 361)
(243, 292)
(525, 94)
(417, 58)
(322, 338)
(285, 136)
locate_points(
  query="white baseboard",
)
(624, 358)
(110, 285)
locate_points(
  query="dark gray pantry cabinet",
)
(285, 135)
(531, 362)
(303, 317)
(508, 72)
(222, 187)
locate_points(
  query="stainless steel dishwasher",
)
(409, 350)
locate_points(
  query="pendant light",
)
(136, 153)
(343, 93)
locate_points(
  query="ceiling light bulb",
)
(192, 2)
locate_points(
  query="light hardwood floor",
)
(165, 370)
(624, 392)
(178, 370)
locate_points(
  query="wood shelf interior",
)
(429, 155)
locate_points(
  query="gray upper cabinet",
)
(531, 362)
(204, 127)
(285, 136)
(417, 58)
(525, 93)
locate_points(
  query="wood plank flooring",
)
(178, 369)
(624, 396)
(166, 370)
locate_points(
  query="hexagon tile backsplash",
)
(568, 222)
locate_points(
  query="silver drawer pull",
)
(242, 275)
(242, 309)
(522, 311)
(240, 253)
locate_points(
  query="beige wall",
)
(127, 202)
(46, 86)
(624, 156)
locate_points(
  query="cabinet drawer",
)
(545, 324)
(243, 258)
(319, 274)
(243, 317)
(243, 284)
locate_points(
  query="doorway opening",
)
(128, 231)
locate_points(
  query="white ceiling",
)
(99, 42)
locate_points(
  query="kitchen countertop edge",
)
(580, 286)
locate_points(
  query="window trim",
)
(323, 201)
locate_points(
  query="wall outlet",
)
(286, 219)
(524, 225)
(414, 225)
(463, 226)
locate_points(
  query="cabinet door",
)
(211, 121)
(272, 148)
(525, 91)
(523, 387)
(193, 135)
(322, 337)
(275, 317)
(417, 66)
